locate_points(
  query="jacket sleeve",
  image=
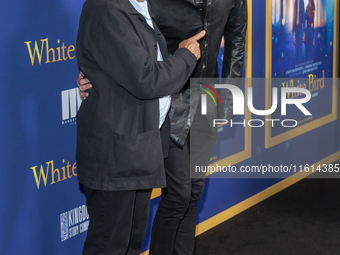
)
(234, 48)
(109, 41)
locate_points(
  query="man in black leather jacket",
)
(175, 221)
(178, 19)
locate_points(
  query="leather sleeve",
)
(234, 48)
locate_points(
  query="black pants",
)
(118, 221)
(173, 231)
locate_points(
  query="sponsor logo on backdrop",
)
(42, 51)
(47, 174)
(70, 103)
(74, 222)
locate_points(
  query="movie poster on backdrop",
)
(302, 52)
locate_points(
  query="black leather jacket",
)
(181, 19)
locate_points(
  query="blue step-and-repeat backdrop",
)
(42, 206)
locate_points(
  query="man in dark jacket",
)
(174, 225)
(119, 142)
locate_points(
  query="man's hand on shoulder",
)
(83, 85)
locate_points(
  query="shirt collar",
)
(141, 7)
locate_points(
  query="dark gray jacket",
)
(181, 19)
(119, 145)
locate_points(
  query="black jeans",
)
(173, 231)
(118, 221)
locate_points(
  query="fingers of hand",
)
(192, 45)
(80, 78)
(83, 95)
(83, 82)
(198, 56)
(184, 44)
(84, 87)
(195, 38)
(196, 49)
(198, 36)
